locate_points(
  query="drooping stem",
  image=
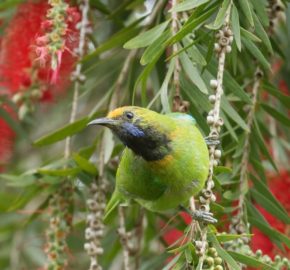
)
(222, 47)
(61, 203)
(179, 105)
(245, 156)
(124, 237)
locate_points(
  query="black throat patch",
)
(147, 142)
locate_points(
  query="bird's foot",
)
(212, 141)
(199, 215)
(203, 216)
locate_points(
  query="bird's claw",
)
(212, 141)
(203, 216)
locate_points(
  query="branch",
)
(62, 201)
(222, 47)
(124, 237)
(179, 105)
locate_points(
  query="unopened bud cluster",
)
(212, 260)
(224, 40)
(95, 226)
(59, 227)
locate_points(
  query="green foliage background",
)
(120, 27)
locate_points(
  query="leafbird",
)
(164, 163)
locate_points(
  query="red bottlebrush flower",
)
(280, 187)
(19, 68)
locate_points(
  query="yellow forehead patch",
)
(116, 113)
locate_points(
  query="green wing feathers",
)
(115, 200)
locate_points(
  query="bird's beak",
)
(108, 122)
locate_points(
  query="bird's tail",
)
(112, 204)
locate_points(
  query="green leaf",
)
(250, 261)
(236, 27)
(269, 231)
(164, 88)
(193, 52)
(155, 49)
(270, 206)
(231, 84)
(60, 172)
(220, 18)
(222, 253)
(85, 165)
(231, 112)
(272, 90)
(260, 7)
(229, 237)
(187, 5)
(249, 35)
(193, 73)
(258, 138)
(146, 38)
(247, 10)
(188, 27)
(115, 40)
(22, 180)
(264, 189)
(253, 49)
(16, 126)
(277, 115)
(261, 33)
(25, 196)
(62, 133)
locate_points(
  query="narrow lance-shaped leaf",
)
(62, 133)
(264, 189)
(246, 8)
(231, 112)
(146, 38)
(220, 18)
(261, 33)
(258, 138)
(250, 261)
(236, 27)
(187, 5)
(272, 90)
(276, 114)
(249, 35)
(155, 49)
(222, 253)
(192, 72)
(84, 164)
(253, 49)
(270, 206)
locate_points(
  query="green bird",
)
(165, 161)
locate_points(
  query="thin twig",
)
(222, 47)
(124, 237)
(245, 155)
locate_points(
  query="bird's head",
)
(144, 131)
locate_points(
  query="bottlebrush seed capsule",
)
(228, 49)
(209, 119)
(217, 153)
(211, 98)
(217, 47)
(213, 84)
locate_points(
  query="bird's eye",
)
(129, 115)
